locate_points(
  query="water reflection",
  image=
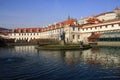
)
(72, 58)
(105, 56)
(101, 57)
(25, 49)
(94, 56)
(25, 62)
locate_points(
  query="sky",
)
(39, 13)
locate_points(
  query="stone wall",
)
(102, 43)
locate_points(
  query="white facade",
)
(108, 16)
(82, 21)
(72, 34)
(25, 36)
(86, 31)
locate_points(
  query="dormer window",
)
(30, 30)
(19, 30)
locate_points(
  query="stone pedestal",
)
(62, 42)
(81, 46)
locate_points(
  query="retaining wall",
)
(102, 43)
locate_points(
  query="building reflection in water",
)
(72, 58)
(25, 49)
(95, 56)
(104, 56)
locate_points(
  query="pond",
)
(27, 63)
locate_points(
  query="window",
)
(78, 36)
(112, 25)
(91, 28)
(100, 27)
(119, 24)
(73, 28)
(73, 36)
(106, 26)
(78, 29)
(95, 27)
(83, 29)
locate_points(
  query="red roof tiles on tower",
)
(117, 8)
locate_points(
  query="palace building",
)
(53, 31)
(89, 30)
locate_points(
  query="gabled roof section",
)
(117, 8)
(101, 24)
(95, 35)
(66, 22)
(60, 24)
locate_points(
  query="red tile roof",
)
(53, 26)
(100, 24)
(3, 33)
(117, 8)
(69, 21)
(27, 30)
(94, 37)
(93, 20)
(35, 29)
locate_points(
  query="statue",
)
(62, 36)
(81, 44)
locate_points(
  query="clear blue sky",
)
(37, 13)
